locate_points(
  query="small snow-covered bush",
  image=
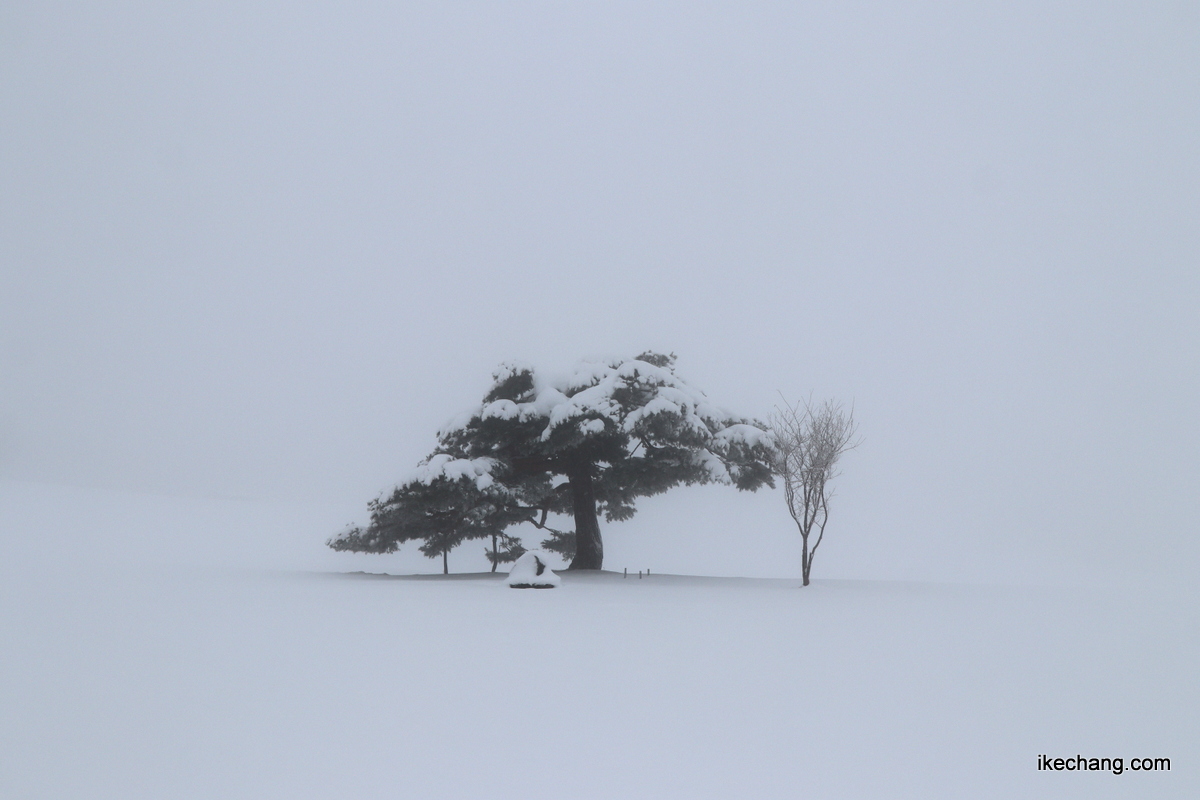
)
(532, 572)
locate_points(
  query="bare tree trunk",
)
(589, 549)
(495, 563)
(805, 560)
(445, 563)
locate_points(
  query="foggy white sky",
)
(265, 249)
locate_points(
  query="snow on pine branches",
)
(615, 430)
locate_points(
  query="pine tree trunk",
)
(494, 561)
(445, 562)
(589, 549)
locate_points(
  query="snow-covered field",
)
(155, 648)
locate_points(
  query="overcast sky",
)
(265, 249)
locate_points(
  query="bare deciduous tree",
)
(809, 441)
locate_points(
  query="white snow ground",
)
(162, 648)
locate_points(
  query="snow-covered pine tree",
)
(446, 502)
(582, 444)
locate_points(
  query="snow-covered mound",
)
(531, 572)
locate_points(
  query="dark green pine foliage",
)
(582, 445)
(505, 550)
